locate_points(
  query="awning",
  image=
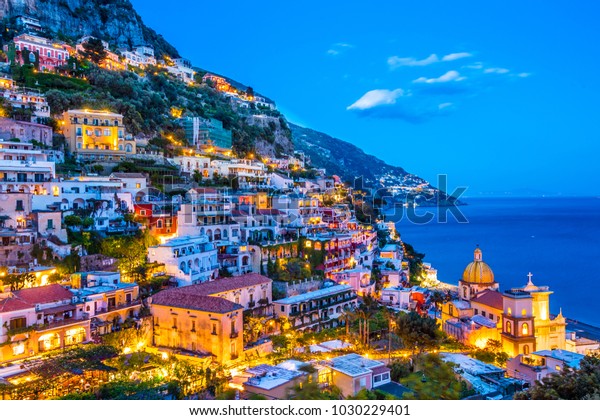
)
(58, 309)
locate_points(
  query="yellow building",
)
(97, 135)
(477, 277)
(519, 317)
(204, 325)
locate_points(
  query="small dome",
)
(478, 271)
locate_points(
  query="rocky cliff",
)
(115, 21)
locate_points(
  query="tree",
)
(72, 220)
(569, 384)
(417, 332)
(311, 391)
(18, 281)
(435, 380)
(93, 50)
(492, 353)
(87, 222)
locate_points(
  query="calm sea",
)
(557, 239)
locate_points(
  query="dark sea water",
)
(557, 239)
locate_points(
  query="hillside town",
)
(127, 271)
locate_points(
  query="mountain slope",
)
(115, 21)
(345, 159)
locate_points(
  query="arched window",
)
(128, 148)
(524, 313)
(525, 329)
(465, 293)
(526, 349)
(508, 327)
(32, 57)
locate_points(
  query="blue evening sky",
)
(501, 96)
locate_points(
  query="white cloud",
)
(497, 70)
(445, 105)
(377, 97)
(478, 65)
(456, 56)
(395, 61)
(450, 76)
(524, 74)
(338, 48)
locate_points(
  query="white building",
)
(281, 182)
(24, 169)
(182, 70)
(249, 173)
(28, 99)
(141, 56)
(208, 212)
(190, 260)
(398, 297)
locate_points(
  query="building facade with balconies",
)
(40, 319)
(190, 260)
(207, 211)
(97, 135)
(318, 309)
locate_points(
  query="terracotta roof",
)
(28, 298)
(127, 175)
(225, 284)
(178, 298)
(45, 294)
(491, 298)
(14, 303)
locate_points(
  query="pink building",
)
(358, 278)
(51, 54)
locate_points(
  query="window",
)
(138, 185)
(491, 316)
(525, 329)
(16, 323)
(214, 328)
(50, 224)
(377, 378)
(483, 313)
(159, 224)
(106, 133)
(78, 131)
(526, 349)
(174, 322)
(524, 313)
(19, 206)
(476, 311)
(193, 326)
(508, 327)
(509, 311)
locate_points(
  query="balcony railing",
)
(234, 334)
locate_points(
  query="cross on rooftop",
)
(529, 276)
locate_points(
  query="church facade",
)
(519, 318)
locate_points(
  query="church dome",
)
(478, 271)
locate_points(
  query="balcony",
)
(234, 334)
(111, 308)
(251, 304)
(58, 324)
